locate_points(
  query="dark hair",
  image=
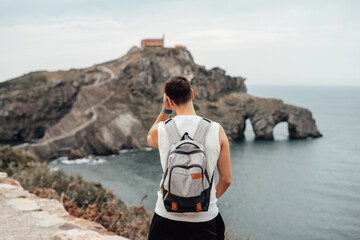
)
(178, 89)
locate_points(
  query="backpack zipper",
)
(187, 153)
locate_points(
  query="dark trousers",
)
(166, 229)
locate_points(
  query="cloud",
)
(277, 43)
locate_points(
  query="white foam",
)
(54, 169)
(59, 159)
(136, 150)
(127, 150)
(83, 161)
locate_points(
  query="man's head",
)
(178, 89)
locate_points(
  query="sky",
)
(278, 42)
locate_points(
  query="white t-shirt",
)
(189, 123)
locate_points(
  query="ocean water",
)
(282, 189)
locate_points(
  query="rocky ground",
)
(26, 216)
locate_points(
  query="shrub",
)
(10, 159)
(212, 106)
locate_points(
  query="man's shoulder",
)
(212, 121)
(160, 124)
(194, 118)
(215, 124)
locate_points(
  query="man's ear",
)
(192, 94)
(171, 102)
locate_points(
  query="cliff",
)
(76, 204)
(110, 106)
(26, 216)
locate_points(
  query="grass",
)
(212, 106)
(24, 82)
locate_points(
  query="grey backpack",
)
(186, 182)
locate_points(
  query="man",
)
(178, 96)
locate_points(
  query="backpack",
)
(186, 182)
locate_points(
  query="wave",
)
(88, 160)
(136, 150)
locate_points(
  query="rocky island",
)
(110, 106)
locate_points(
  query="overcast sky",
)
(278, 42)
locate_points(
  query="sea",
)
(282, 189)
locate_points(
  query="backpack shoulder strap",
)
(172, 131)
(202, 130)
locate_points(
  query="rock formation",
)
(107, 107)
(26, 216)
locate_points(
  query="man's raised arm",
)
(152, 137)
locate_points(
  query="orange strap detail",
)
(160, 187)
(196, 175)
(198, 207)
(166, 195)
(174, 206)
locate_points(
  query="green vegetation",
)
(20, 83)
(212, 106)
(196, 107)
(11, 160)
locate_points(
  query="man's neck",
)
(186, 109)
